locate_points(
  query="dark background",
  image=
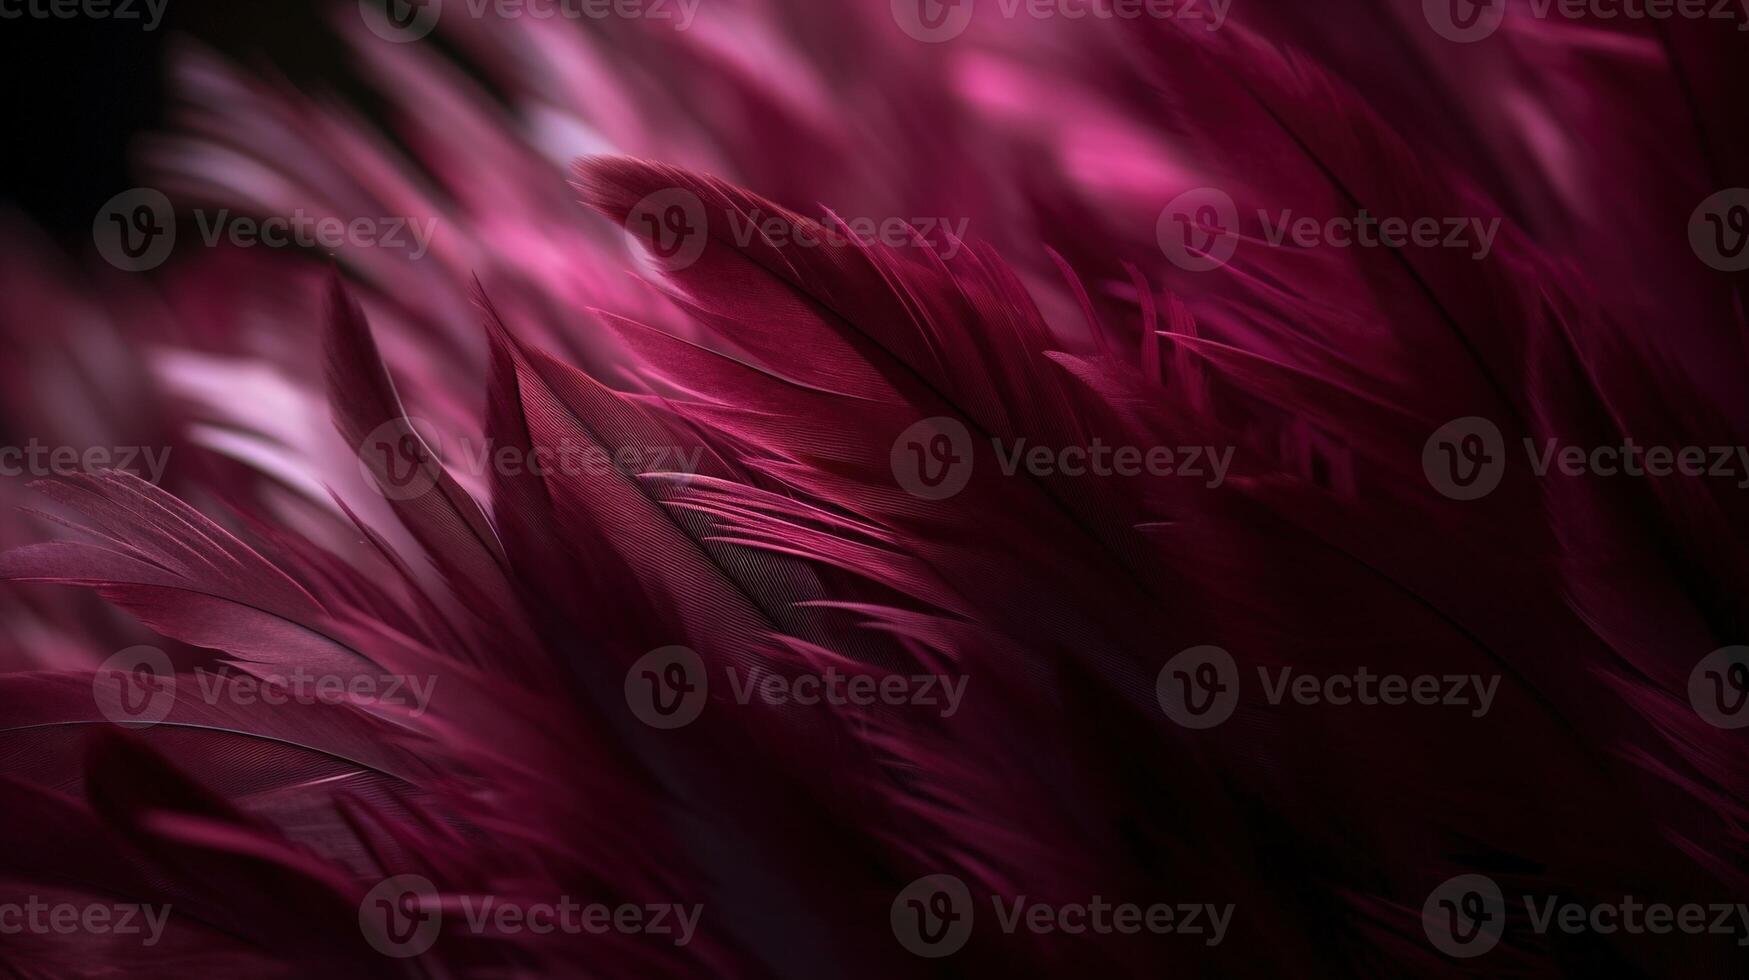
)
(79, 90)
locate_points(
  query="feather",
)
(734, 474)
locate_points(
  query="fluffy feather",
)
(771, 535)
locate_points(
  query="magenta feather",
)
(754, 400)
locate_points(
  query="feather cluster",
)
(656, 420)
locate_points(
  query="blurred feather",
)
(779, 369)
